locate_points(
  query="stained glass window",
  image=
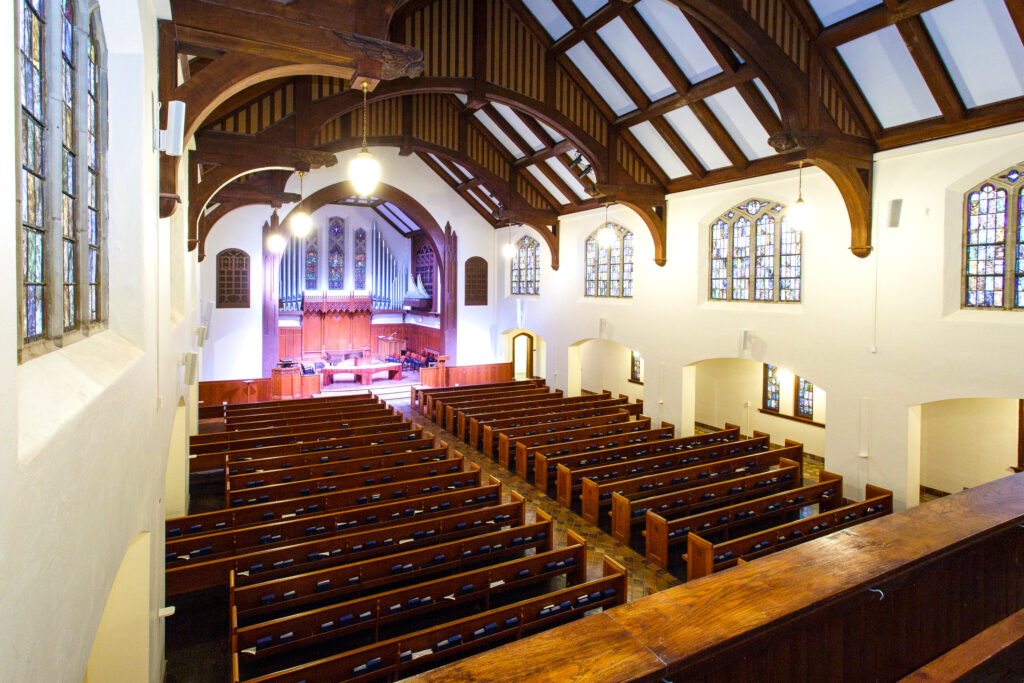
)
(232, 279)
(770, 388)
(526, 267)
(803, 405)
(336, 253)
(425, 264)
(33, 168)
(92, 191)
(994, 242)
(755, 255)
(360, 261)
(636, 367)
(68, 185)
(311, 261)
(609, 269)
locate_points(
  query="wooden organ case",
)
(335, 323)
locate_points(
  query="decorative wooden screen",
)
(476, 281)
(994, 242)
(336, 253)
(360, 260)
(232, 279)
(755, 255)
(425, 262)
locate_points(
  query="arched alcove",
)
(527, 351)
(176, 478)
(599, 364)
(121, 647)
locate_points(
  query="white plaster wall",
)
(605, 365)
(927, 349)
(86, 428)
(967, 442)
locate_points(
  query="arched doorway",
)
(522, 355)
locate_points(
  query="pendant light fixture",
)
(801, 214)
(300, 222)
(508, 250)
(606, 235)
(364, 170)
(276, 241)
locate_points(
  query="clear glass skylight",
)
(635, 58)
(888, 77)
(569, 178)
(548, 185)
(677, 35)
(445, 167)
(832, 11)
(553, 21)
(767, 95)
(741, 123)
(595, 72)
(588, 7)
(697, 138)
(555, 135)
(656, 146)
(982, 50)
(505, 140)
(517, 123)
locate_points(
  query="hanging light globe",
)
(801, 215)
(508, 250)
(364, 172)
(606, 236)
(276, 243)
(301, 224)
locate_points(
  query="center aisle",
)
(644, 577)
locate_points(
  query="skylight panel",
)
(834, 11)
(697, 138)
(636, 60)
(517, 123)
(588, 7)
(555, 193)
(555, 135)
(741, 123)
(570, 179)
(553, 21)
(406, 221)
(487, 209)
(677, 35)
(595, 72)
(505, 140)
(767, 96)
(463, 170)
(445, 167)
(656, 146)
(981, 49)
(888, 77)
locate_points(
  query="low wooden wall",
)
(466, 374)
(214, 394)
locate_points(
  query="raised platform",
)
(362, 373)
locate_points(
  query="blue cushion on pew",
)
(323, 585)
(514, 621)
(345, 620)
(263, 642)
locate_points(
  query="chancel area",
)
(576, 340)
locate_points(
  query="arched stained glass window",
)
(755, 255)
(311, 261)
(609, 267)
(526, 267)
(360, 261)
(336, 253)
(994, 242)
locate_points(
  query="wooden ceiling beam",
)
(552, 151)
(618, 71)
(661, 56)
(558, 182)
(766, 116)
(585, 28)
(532, 181)
(706, 88)
(252, 152)
(1016, 10)
(872, 20)
(506, 128)
(718, 48)
(931, 66)
(720, 135)
(977, 118)
(679, 146)
(649, 161)
(376, 210)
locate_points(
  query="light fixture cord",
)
(364, 115)
(800, 182)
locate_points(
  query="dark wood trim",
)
(635, 381)
(792, 417)
(1020, 436)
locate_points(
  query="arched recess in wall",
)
(176, 495)
(536, 364)
(121, 647)
(598, 364)
(959, 443)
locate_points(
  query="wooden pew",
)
(533, 435)
(267, 513)
(997, 653)
(418, 395)
(389, 433)
(628, 512)
(371, 612)
(299, 457)
(346, 545)
(455, 413)
(257, 421)
(662, 532)
(464, 427)
(393, 482)
(590, 453)
(306, 401)
(627, 462)
(240, 410)
(269, 597)
(266, 435)
(703, 557)
(482, 435)
(398, 657)
(672, 474)
(239, 480)
(434, 401)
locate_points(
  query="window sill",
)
(635, 381)
(795, 418)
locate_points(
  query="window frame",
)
(753, 211)
(1011, 180)
(87, 31)
(765, 408)
(246, 287)
(625, 240)
(520, 273)
(636, 367)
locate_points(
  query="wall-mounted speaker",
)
(200, 335)
(602, 329)
(189, 361)
(895, 209)
(172, 140)
(745, 340)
